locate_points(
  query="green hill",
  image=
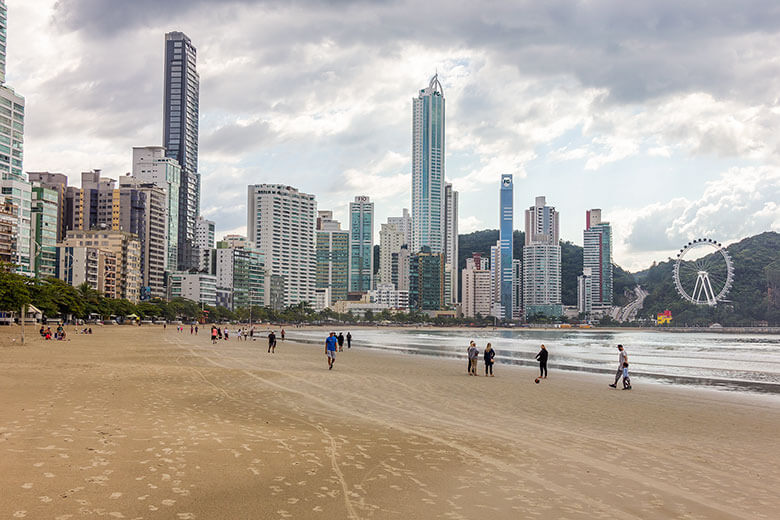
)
(748, 301)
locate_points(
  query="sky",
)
(663, 114)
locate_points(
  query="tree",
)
(14, 289)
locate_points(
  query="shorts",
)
(331, 354)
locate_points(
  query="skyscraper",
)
(180, 136)
(426, 280)
(59, 183)
(451, 243)
(506, 230)
(428, 168)
(16, 194)
(280, 224)
(332, 259)
(597, 256)
(361, 245)
(151, 165)
(542, 261)
(477, 288)
(44, 231)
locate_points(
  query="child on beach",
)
(626, 379)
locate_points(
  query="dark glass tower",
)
(180, 136)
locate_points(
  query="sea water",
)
(723, 360)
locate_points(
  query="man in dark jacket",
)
(542, 357)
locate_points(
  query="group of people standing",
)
(490, 354)
(473, 357)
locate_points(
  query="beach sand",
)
(144, 423)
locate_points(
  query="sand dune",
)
(145, 423)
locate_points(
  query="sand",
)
(145, 423)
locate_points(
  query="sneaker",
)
(613, 386)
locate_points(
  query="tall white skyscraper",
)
(280, 223)
(428, 168)
(477, 288)
(361, 244)
(597, 257)
(451, 242)
(404, 225)
(542, 261)
(16, 190)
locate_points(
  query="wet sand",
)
(145, 423)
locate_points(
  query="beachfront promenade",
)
(145, 423)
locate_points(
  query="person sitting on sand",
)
(473, 356)
(542, 357)
(488, 356)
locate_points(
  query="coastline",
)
(156, 424)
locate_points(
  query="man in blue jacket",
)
(330, 349)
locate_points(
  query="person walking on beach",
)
(542, 357)
(282, 334)
(349, 340)
(622, 360)
(272, 343)
(488, 356)
(213, 335)
(473, 356)
(196, 330)
(626, 379)
(330, 349)
(341, 341)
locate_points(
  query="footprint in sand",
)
(185, 516)
(115, 495)
(27, 485)
(20, 514)
(45, 499)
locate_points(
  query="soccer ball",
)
(536, 380)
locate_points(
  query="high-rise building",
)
(517, 289)
(91, 265)
(96, 204)
(125, 247)
(404, 225)
(387, 295)
(506, 240)
(3, 38)
(151, 165)
(196, 287)
(44, 231)
(180, 136)
(496, 309)
(332, 256)
(142, 212)
(16, 193)
(361, 244)
(477, 288)
(428, 168)
(11, 113)
(59, 183)
(426, 280)
(9, 222)
(205, 233)
(597, 256)
(280, 224)
(390, 242)
(585, 292)
(542, 261)
(241, 272)
(451, 243)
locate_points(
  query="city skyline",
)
(697, 141)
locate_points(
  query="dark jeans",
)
(489, 368)
(543, 368)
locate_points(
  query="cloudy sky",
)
(665, 114)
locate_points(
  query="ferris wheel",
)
(703, 273)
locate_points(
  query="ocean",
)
(738, 362)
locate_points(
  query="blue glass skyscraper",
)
(428, 226)
(507, 243)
